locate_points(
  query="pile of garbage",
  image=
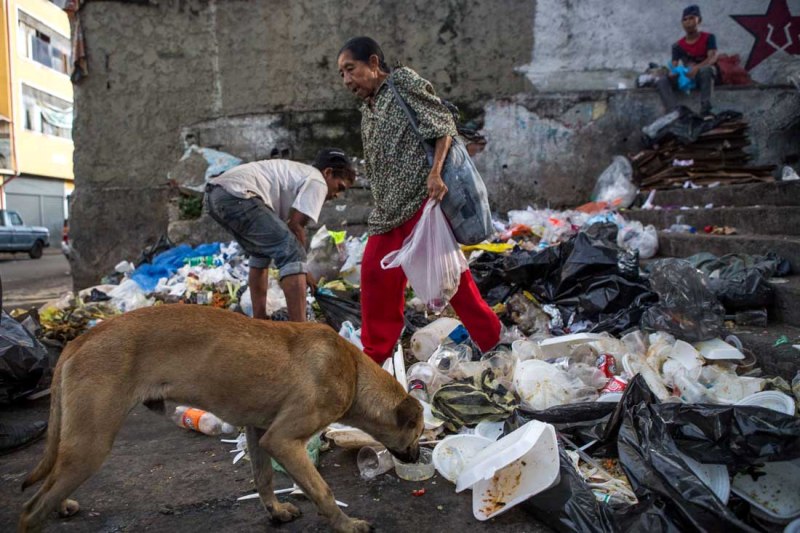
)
(614, 399)
(684, 146)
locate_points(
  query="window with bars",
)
(42, 44)
(5, 143)
(45, 113)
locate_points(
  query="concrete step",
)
(781, 220)
(776, 193)
(786, 308)
(684, 245)
(783, 360)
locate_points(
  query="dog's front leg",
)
(291, 453)
(261, 463)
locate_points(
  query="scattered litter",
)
(783, 339)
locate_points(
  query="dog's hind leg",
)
(261, 463)
(71, 469)
(289, 448)
(87, 435)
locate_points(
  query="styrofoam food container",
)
(511, 470)
(715, 477)
(686, 355)
(454, 452)
(559, 346)
(718, 349)
(776, 493)
(490, 430)
(771, 399)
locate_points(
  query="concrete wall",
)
(548, 148)
(597, 44)
(247, 76)
(244, 76)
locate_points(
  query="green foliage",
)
(190, 206)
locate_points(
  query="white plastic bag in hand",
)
(430, 258)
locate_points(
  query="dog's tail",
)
(53, 433)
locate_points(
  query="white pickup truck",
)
(15, 236)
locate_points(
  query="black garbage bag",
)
(651, 438)
(489, 274)
(687, 127)
(339, 307)
(584, 422)
(24, 363)
(161, 245)
(686, 307)
(589, 278)
(739, 281)
(734, 436)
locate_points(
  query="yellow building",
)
(35, 112)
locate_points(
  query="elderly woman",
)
(402, 181)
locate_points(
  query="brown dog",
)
(283, 381)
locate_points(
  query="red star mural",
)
(776, 30)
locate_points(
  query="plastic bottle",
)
(420, 378)
(202, 421)
(425, 340)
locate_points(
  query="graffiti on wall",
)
(774, 31)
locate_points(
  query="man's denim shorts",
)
(258, 230)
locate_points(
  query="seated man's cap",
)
(692, 10)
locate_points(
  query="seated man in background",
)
(697, 51)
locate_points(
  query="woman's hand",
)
(436, 187)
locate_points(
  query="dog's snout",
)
(413, 452)
(409, 455)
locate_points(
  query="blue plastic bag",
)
(685, 83)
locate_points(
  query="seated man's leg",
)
(665, 91)
(705, 80)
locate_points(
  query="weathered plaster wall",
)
(549, 148)
(247, 76)
(597, 44)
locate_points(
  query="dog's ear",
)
(408, 412)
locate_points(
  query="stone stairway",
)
(767, 218)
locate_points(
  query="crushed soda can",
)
(607, 364)
(615, 384)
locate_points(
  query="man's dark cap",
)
(333, 158)
(691, 11)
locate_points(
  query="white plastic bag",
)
(635, 236)
(430, 258)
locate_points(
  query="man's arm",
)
(297, 225)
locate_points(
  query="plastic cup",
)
(373, 461)
(502, 363)
(525, 350)
(420, 471)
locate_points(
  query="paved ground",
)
(163, 478)
(31, 282)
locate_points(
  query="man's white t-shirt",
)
(281, 184)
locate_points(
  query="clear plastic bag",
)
(686, 308)
(431, 259)
(615, 184)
